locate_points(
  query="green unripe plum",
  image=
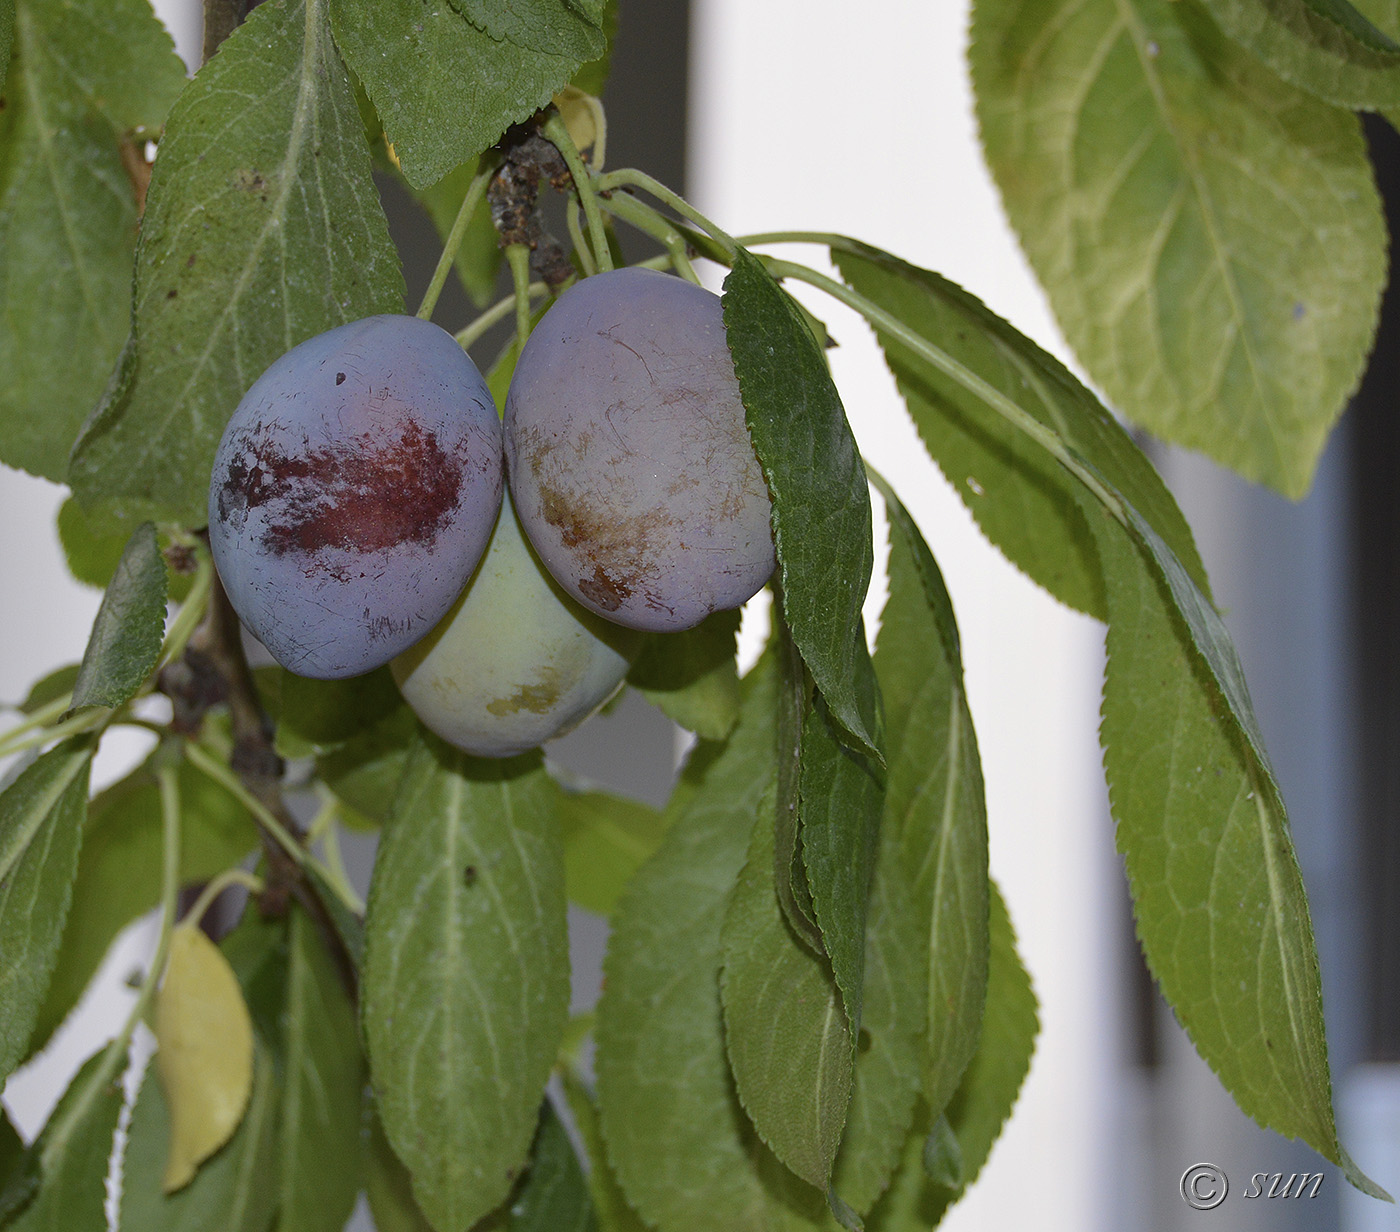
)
(515, 661)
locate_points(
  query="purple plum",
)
(630, 461)
(354, 492)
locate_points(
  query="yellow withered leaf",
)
(205, 1058)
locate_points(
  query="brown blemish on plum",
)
(389, 485)
(539, 698)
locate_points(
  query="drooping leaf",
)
(205, 1057)
(609, 1203)
(119, 870)
(319, 1122)
(821, 505)
(555, 1196)
(606, 838)
(1347, 17)
(466, 981)
(915, 1202)
(936, 805)
(87, 74)
(262, 228)
(1219, 901)
(41, 822)
(889, 1048)
(691, 675)
(842, 794)
(1210, 237)
(126, 633)
(790, 1044)
(320, 715)
(662, 1072)
(789, 872)
(1019, 494)
(236, 1188)
(1322, 56)
(445, 89)
(73, 1149)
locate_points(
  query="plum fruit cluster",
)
(357, 515)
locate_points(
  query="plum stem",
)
(518, 258)
(497, 312)
(652, 223)
(229, 877)
(630, 177)
(557, 133)
(585, 253)
(475, 191)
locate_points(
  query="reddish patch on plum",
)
(370, 492)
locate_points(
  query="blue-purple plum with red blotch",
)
(354, 492)
(630, 461)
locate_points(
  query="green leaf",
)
(365, 771)
(73, 1149)
(234, 1191)
(842, 796)
(691, 676)
(593, 76)
(349, 927)
(1297, 40)
(554, 1197)
(1346, 17)
(890, 1044)
(466, 978)
(1210, 237)
(19, 1171)
(478, 258)
(790, 1043)
(388, 1187)
(7, 37)
(262, 228)
(983, 1101)
(606, 838)
(821, 505)
(936, 806)
(127, 631)
(322, 1082)
(41, 823)
(609, 1204)
(1021, 497)
(86, 74)
(1219, 901)
(51, 688)
(663, 1077)
(447, 90)
(92, 547)
(119, 870)
(319, 715)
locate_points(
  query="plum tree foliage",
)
(814, 1013)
